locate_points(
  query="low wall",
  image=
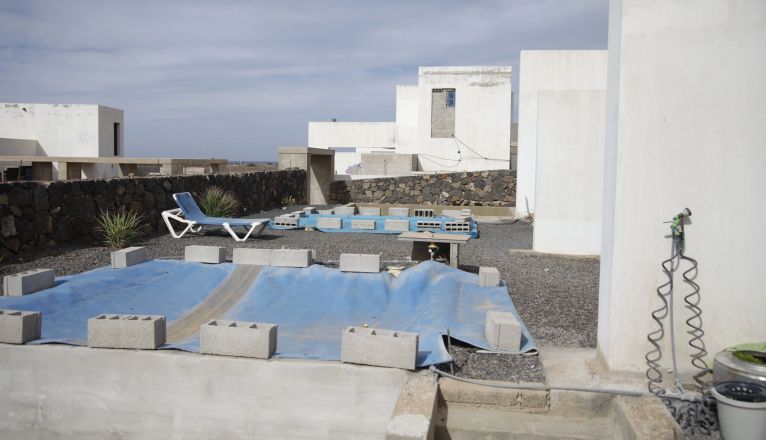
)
(40, 214)
(477, 188)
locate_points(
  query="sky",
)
(237, 79)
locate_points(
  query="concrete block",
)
(381, 348)
(145, 332)
(503, 331)
(128, 257)
(399, 212)
(252, 256)
(457, 226)
(298, 214)
(413, 416)
(396, 225)
(291, 258)
(428, 224)
(19, 327)
(329, 223)
(362, 224)
(238, 338)
(423, 212)
(309, 210)
(286, 221)
(205, 254)
(489, 277)
(325, 211)
(344, 210)
(369, 211)
(30, 281)
(367, 263)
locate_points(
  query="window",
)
(116, 138)
(450, 98)
(442, 113)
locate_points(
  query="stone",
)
(503, 331)
(252, 256)
(140, 332)
(489, 277)
(238, 338)
(128, 257)
(205, 254)
(291, 258)
(329, 223)
(19, 327)
(362, 224)
(31, 281)
(399, 212)
(369, 211)
(380, 348)
(396, 225)
(366, 263)
(8, 225)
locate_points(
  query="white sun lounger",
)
(188, 213)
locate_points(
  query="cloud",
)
(236, 79)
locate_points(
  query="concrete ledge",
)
(369, 211)
(30, 281)
(399, 212)
(367, 263)
(489, 277)
(380, 348)
(205, 254)
(145, 332)
(329, 222)
(363, 224)
(286, 220)
(252, 256)
(503, 331)
(128, 257)
(238, 338)
(291, 258)
(396, 225)
(413, 415)
(533, 401)
(632, 414)
(19, 327)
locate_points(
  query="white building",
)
(63, 130)
(455, 119)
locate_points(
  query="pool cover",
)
(312, 306)
(310, 221)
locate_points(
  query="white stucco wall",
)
(548, 70)
(569, 194)
(686, 127)
(351, 134)
(406, 118)
(482, 119)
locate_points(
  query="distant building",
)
(63, 130)
(455, 119)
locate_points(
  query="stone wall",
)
(478, 188)
(42, 214)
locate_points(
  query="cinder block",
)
(424, 212)
(399, 212)
(362, 224)
(503, 331)
(329, 223)
(128, 257)
(309, 210)
(238, 338)
(345, 210)
(367, 263)
(205, 254)
(252, 256)
(397, 225)
(31, 281)
(145, 332)
(325, 211)
(381, 348)
(297, 213)
(489, 277)
(286, 220)
(19, 327)
(461, 226)
(291, 258)
(369, 211)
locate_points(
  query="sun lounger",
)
(189, 214)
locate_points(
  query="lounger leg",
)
(189, 226)
(258, 226)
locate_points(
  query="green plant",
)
(215, 202)
(120, 228)
(288, 200)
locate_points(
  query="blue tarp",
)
(311, 306)
(310, 221)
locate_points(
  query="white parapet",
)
(489, 277)
(291, 258)
(238, 338)
(145, 332)
(24, 283)
(252, 256)
(205, 254)
(19, 327)
(380, 348)
(128, 257)
(367, 263)
(503, 331)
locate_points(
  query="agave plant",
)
(119, 229)
(288, 200)
(216, 202)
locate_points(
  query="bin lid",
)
(742, 391)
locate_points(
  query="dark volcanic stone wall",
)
(42, 214)
(477, 188)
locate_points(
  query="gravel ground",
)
(556, 296)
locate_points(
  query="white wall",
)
(569, 192)
(686, 127)
(351, 134)
(548, 70)
(406, 117)
(482, 119)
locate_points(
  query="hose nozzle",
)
(685, 213)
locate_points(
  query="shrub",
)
(288, 201)
(215, 202)
(120, 228)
